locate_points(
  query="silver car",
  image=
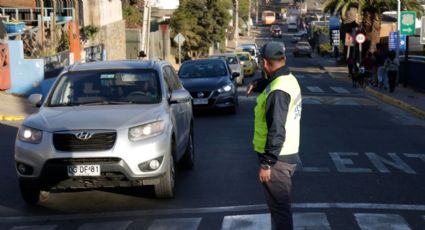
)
(107, 124)
(234, 63)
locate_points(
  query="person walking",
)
(380, 57)
(391, 66)
(277, 132)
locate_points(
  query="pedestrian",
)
(380, 56)
(391, 66)
(277, 132)
(368, 66)
(350, 66)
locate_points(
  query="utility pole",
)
(236, 20)
(42, 24)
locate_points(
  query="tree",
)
(202, 22)
(370, 13)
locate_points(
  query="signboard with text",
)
(335, 37)
(423, 31)
(408, 23)
(392, 42)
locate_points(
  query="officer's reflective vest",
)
(289, 84)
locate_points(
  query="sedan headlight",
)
(146, 130)
(225, 89)
(30, 135)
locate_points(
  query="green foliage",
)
(63, 42)
(202, 22)
(325, 49)
(89, 32)
(132, 15)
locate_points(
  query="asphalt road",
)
(362, 167)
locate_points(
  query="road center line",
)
(242, 208)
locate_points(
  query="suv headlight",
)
(30, 135)
(225, 89)
(146, 130)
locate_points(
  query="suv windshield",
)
(203, 69)
(106, 87)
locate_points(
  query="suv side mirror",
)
(35, 99)
(180, 96)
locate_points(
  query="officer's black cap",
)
(273, 50)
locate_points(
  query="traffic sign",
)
(335, 37)
(423, 31)
(408, 23)
(179, 39)
(392, 42)
(360, 38)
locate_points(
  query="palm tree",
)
(370, 13)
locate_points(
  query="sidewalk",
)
(404, 98)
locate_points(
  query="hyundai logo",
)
(83, 135)
(200, 94)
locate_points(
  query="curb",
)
(396, 102)
(11, 118)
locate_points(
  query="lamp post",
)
(164, 29)
(398, 29)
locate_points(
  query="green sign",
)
(407, 23)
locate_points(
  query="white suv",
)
(107, 124)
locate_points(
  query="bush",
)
(325, 49)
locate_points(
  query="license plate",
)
(200, 101)
(83, 170)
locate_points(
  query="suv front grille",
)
(206, 94)
(67, 142)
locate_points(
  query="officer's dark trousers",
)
(277, 192)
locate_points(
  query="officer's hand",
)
(264, 175)
(250, 88)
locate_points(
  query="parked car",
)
(234, 64)
(300, 36)
(107, 124)
(276, 32)
(248, 63)
(302, 48)
(211, 84)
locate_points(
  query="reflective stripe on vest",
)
(289, 84)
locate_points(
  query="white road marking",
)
(115, 225)
(242, 208)
(339, 89)
(372, 221)
(311, 221)
(246, 222)
(35, 227)
(315, 89)
(175, 224)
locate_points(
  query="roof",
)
(125, 64)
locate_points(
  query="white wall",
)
(110, 11)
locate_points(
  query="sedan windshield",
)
(203, 69)
(106, 87)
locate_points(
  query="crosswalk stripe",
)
(315, 89)
(371, 221)
(313, 220)
(339, 89)
(246, 222)
(115, 225)
(263, 221)
(175, 224)
(34, 227)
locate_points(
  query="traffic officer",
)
(277, 132)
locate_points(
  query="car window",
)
(243, 57)
(172, 78)
(232, 60)
(203, 69)
(106, 87)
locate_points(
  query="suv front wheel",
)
(165, 188)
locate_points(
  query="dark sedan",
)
(211, 83)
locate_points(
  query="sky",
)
(166, 4)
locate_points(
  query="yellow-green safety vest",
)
(289, 84)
